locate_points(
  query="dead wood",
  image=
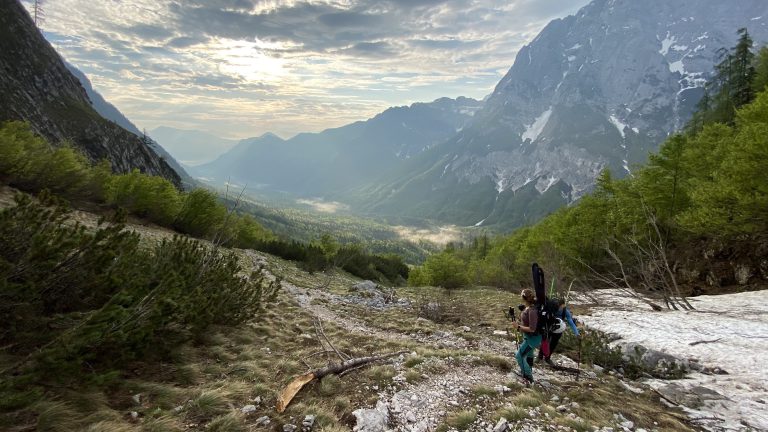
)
(288, 393)
(704, 342)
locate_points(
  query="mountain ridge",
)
(54, 102)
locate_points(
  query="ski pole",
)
(578, 364)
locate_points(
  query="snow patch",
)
(666, 44)
(679, 47)
(756, 18)
(619, 125)
(534, 130)
(445, 170)
(703, 36)
(677, 67)
(725, 331)
(544, 184)
(480, 223)
(626, 166)
(575, 47)
(571, 58)
(635, 130)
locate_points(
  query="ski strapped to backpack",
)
(546, 309)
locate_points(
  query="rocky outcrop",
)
(37, 87)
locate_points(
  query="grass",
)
(232, 422)
(512, 414)
(412, 361)
(461, 420)
(528, 399)
(501, 363)
(413, 376)
(482, 390)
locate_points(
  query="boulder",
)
(372, 420)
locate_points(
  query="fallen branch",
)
(704, 342)
(288, 393)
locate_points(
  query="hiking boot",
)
(549, 361)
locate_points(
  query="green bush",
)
(152, 197)
(70, 297)
(200, 214)
(29, 163)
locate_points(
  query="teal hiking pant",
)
(525, 354)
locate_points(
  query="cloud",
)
(245, 67)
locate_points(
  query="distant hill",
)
(37, 87)
(319, 164)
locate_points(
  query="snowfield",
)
(729, 332)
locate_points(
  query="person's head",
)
(528, 297)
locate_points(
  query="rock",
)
(597, 368)
(262, 421)
(500, 389)
(364, 286)
(134, 415)
(410, 417)
(372, 420)
(555, 398)
(629, 425)
(742, 273)
(575, 405)
(248, 409)
(289, 428)
(308, 422)
(562, 408)
(501, 426)
(137, 398)
(257, 400)
(590, 375)
(500, 332)
(466, 328)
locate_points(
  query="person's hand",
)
(515, 325)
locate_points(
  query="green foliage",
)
(70, 297)
(152, 197)
(29, 163)
(444, 270)
(200, 214)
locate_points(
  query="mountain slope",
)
(319, 164)
(110, 112)
(36, 87)
(596, 90)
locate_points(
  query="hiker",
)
(531, 339)
(562, 316)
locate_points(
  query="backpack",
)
(546, 309)
(547, 316)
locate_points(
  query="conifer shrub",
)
(29, 163)
(200, 213)
(75, 302)
(152, 197)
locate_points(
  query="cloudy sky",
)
(239, 68)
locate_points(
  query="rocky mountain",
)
(596, 90)
(319, 164)
(110, 112)
(191, 147)
(37, 87)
